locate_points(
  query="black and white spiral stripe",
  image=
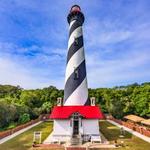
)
(76, 91)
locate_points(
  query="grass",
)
(24, 140)
(111, 132)
(131, 142)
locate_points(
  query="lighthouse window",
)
(76, 42)
(76, 74)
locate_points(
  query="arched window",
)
(76, 73)
(76, 42)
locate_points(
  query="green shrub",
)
(24, 118)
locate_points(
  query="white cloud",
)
(102, 37)
(108, 37)
(13, 73)
(128, 68)
(117, 54)
(39, 71)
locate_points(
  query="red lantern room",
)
(75, 14)
(75, 8)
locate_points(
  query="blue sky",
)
(34, 35)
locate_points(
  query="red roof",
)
(88, 112)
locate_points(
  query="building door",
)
(76, 123)
(76, 127)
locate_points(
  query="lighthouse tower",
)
(75, 117)
(76, 90)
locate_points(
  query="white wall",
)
(90, 126)
(62, 127)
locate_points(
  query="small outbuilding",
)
(134, 118)
(75, 120)
(146, 122)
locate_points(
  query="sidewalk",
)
(143, 137)
(18, 132)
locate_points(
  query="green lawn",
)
(24, 140)
(131, 142)
(111, 132)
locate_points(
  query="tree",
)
(7, 113)
(46, 107)
(24, 118)
(30, 99)
(118, 101)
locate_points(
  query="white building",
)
(76, 121)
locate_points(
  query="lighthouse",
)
(76, 117)
(76, 90)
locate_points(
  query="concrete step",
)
(75, 141)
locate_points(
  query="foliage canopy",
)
(19, 105)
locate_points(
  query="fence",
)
(11, 131)
(141, 129)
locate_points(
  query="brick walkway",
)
(47, 146)
(90, 146)
(75, 148)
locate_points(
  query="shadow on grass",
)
(112, 132)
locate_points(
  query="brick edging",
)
(9, 132)
(6, 133)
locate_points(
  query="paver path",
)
(75, 148)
